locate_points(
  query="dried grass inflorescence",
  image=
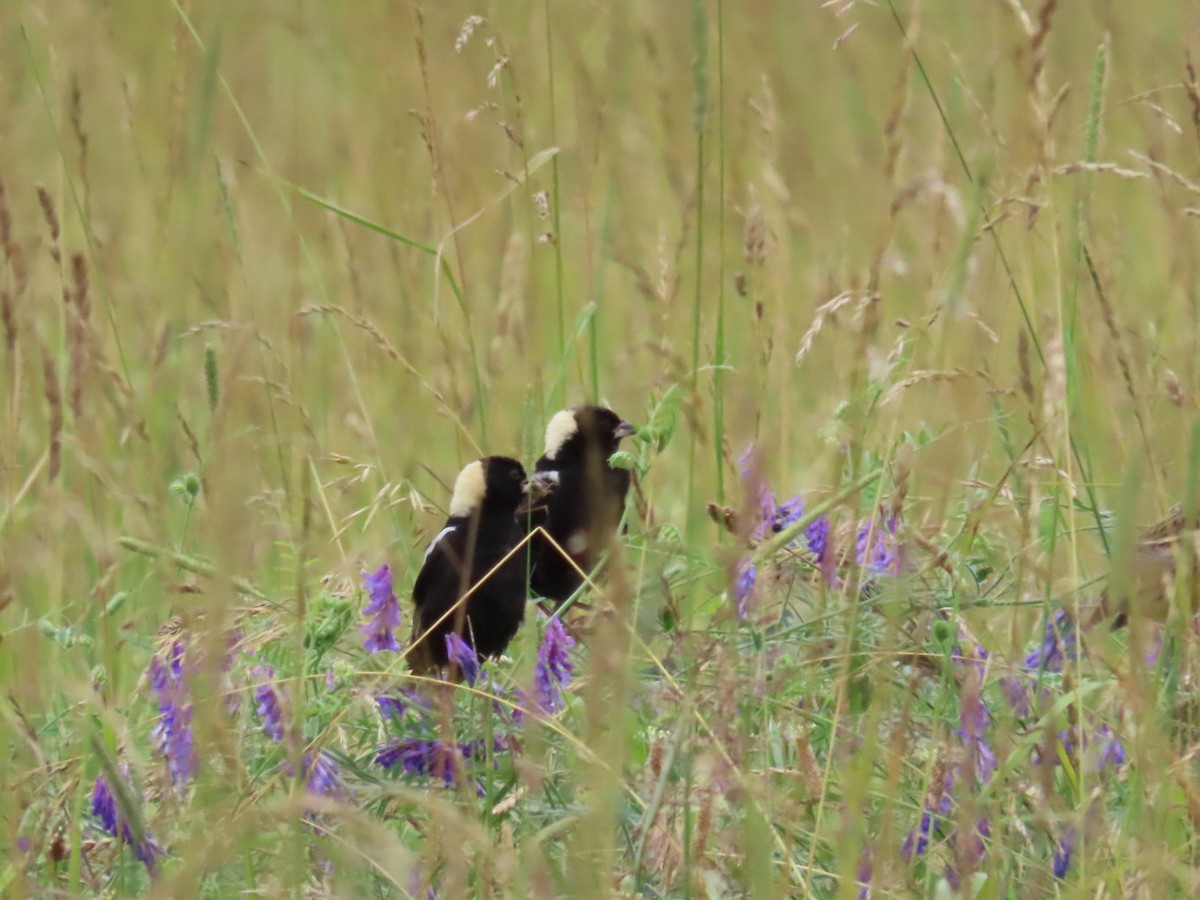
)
(824, 313)
(510, 306)
(12, 255)
(50, 214)
(79, 336)
(54, 404)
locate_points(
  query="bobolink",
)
(582, 497)
(481, 531)
(1148, 583)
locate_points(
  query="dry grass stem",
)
(825, 311)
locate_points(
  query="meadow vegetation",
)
(902, 295)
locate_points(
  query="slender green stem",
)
(560, 395)
(719, 341)
(700, 85)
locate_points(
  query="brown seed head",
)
(51, 216)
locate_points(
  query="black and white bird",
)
(482, 529)
(582, 498)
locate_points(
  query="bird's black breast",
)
(462, 558)
(581, 514)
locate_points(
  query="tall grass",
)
(903, 298)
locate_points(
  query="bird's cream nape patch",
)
(469, 488)
(560, 429)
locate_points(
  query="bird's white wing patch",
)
(441, 534)
(577, 543)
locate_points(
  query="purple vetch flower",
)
(743, 586)
(173, 731)
(269, 708)
(748, 461)
(916, 842)
(974, 720)
(774, 518)
(817, 537)
(418, 888)
(23, 844)
(390, 707)
(106, 809)
(778, 517)
(876, 548)
(1154, 650)
(425, 758)
(554, 668)
(517, 710)
(938, 801)
(1059, 645)
(383, 610)
(969, 850)
(324, 775)
(463, 655)
(864, 872)
(788, 513)
(1113, 752)
(1062, 853)
(1017, 694)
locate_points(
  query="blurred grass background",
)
(398, 242)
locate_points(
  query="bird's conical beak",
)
(540, 485)
(624, 430)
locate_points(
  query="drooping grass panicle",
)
(50, 214)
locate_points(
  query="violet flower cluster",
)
(173, 731)
(108, 811)
(970, 771)
(321, 772)
(876, 549)
(1059, 645)
(432, 758)
(774, 517)
(977, 762)
(390, 707)
(426, 758)
(463, 655)
(267, 704)
(383, 610)
(554, 667)
(1061, 863)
